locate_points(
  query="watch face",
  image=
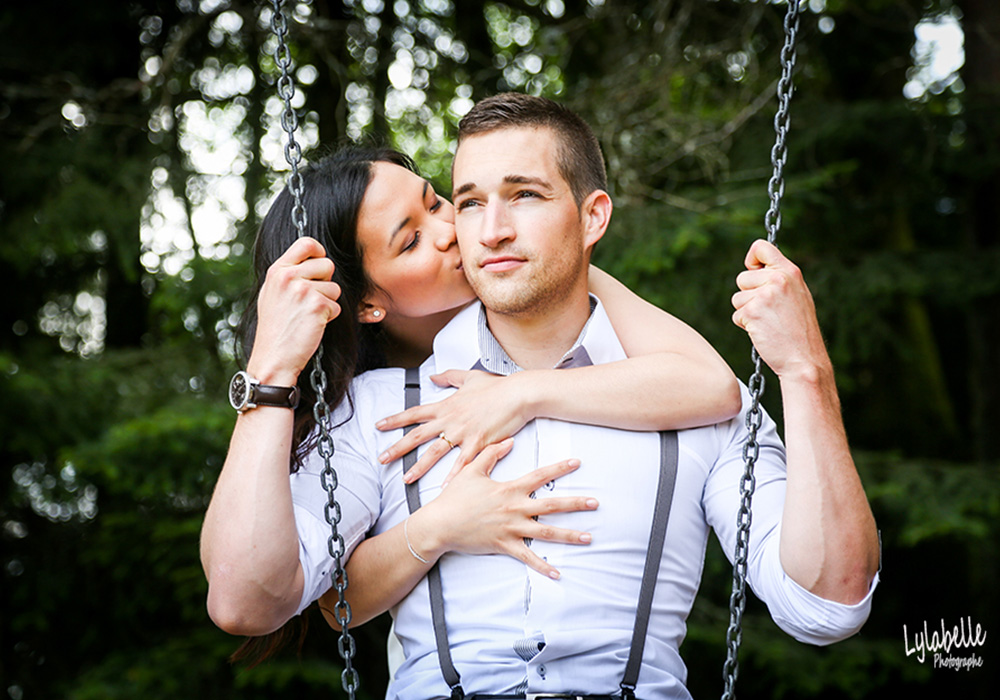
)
(239, 391)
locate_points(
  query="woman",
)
(378, 277)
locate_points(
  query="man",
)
(529, 192)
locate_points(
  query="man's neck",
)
(539, 340)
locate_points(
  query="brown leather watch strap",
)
(283, 396)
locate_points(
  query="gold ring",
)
(451, 445)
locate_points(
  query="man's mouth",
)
(501, 263)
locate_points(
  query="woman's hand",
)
(295, 303)
(485, 410)
(477, 515)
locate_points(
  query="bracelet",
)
(406, 536)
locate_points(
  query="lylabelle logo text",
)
(941, 642)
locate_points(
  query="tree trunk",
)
(470, 23)
(981, 75)
(328, 97)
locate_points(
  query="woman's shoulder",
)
(376, 393)
(377, 382)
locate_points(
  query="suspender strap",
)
(411, 398)
(451, 677)
(661, 514)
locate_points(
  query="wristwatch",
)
(245, 393)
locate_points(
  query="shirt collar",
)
(467, 343)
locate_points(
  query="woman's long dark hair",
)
(333, 189)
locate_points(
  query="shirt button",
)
(541, 671)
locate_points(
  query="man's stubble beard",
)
(543, 291)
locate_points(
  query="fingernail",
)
(408, 477)
(554, 575)
(586, 538)
(591, 502)
(384, 458)
(573, 462)
(380, 423)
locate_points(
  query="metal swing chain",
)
(321, 409)
(754, 417)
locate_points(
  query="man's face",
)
(519, 229)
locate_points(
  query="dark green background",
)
(109, 447)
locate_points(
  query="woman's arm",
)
(673, 379)
(474, 515)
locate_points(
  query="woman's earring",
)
(376, 313)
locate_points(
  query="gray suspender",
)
(661, 514)
(654, 553)
(451, 677)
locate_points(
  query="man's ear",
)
(370, 313)
(595, 212)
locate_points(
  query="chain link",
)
(321, 410)
(754, 417)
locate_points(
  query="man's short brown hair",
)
(580, 161)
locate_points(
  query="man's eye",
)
(467, 204)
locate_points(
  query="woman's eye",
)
(437, 205)
(413, 243)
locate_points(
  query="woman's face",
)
(407, 233)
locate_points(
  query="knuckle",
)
(549, 505)
(278, 274)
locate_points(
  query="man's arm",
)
(249, 540)
(249, 543)
(829, 544)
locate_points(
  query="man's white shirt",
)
(577, 630)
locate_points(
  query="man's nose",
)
(497, 225)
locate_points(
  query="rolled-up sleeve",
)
(358, 494)
(800, 613)
(809, 618)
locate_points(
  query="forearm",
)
(663, 391)
(829, 544)
(249, 543)
(474, 514)
(676, 379)
(382, 570)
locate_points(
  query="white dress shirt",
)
(581, 625)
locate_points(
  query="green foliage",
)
(120, 307)
(931, 500)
